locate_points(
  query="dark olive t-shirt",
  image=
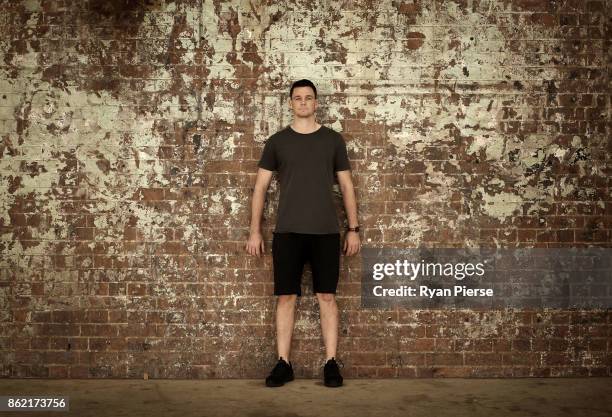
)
(306, 163)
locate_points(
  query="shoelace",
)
(278, 369)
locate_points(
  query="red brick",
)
(138, 247)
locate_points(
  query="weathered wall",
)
(129, 138)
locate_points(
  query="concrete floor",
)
(308, 397)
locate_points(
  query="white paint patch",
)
(500, 205)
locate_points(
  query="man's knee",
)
(287, 299)
(326, 297)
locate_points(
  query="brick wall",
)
(129, 138)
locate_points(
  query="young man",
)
(306, 156)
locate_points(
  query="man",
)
(306, 156)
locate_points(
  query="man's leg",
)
(285, 315)
(329, 322)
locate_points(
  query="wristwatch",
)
(353, 229)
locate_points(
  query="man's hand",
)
(255, 244)
(352, 244)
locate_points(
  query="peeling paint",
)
(129, 136)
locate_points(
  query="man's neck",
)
(305, 125)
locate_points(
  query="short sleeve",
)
(268, 156)
(341, 161)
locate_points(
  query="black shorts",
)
(290, 251)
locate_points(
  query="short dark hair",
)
(302, 83)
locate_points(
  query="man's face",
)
(303, 102)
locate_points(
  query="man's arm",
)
(255, 243)
(348, 196)
(352, 243)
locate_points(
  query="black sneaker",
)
(282, 372)
(331, 373)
